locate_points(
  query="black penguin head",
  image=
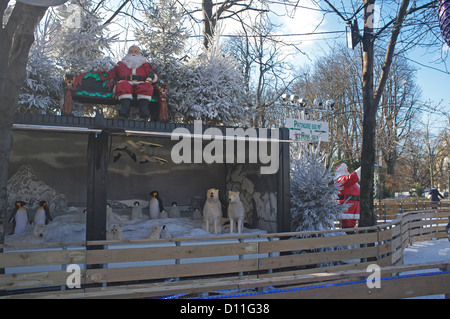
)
(174, 204)
(42, 203)
(137, 203)
(153, 194)
(20, 204)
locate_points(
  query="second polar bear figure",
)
(212, 211)
(235, 211)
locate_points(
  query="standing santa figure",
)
(135, 76)
(349, 194)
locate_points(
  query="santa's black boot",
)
(144, 108)
(125, 108)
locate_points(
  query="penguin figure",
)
(20, 217)
(165, 234)
(42, 215)
(136, 213)
(155, 206)
(197, 214)
(174, 211)
(83, 216)
(109, 212)
(163, 214)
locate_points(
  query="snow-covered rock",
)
(25, 186)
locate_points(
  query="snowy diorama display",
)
(127, 219)
(70, 226)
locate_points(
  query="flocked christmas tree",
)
(313, 192)
(217, 91)
(42, 89)
(162, 37)
(82, 38)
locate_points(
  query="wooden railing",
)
(144, 268)
(389, 209)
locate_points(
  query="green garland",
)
(107, 95)
(96, 77)
(95, 94)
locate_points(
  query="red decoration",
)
(69, 88)
(163, 114)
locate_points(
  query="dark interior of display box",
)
(53, 166)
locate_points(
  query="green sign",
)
(307, 131)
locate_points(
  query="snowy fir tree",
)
(313, 192)
(162, 39)
(82, 38)
(217, 91)
(163, 35)
(42, 89)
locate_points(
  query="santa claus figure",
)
(349, 194)
(136, 77)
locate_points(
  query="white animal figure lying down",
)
(114, 232)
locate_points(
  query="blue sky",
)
(435, 85)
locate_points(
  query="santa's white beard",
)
(133, 62)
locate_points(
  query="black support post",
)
(283, 181)
(96, 189)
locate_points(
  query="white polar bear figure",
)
(235, 211)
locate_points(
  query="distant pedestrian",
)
(434, 195)
(447, 228)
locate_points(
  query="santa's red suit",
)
(133, 81)
(349, 194)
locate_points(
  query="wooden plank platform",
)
(141, 267)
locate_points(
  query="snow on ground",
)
(427, 251)
(70, 227)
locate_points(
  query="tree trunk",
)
(368, 217)
(208, 23)
(16, 39)
(370, 105)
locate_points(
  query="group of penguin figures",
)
(155, 211)
(21, 220)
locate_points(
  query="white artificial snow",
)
(70, 227)
(427, 251)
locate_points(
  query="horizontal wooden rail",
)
(388, 210)
(397, 282)
(111, 264)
